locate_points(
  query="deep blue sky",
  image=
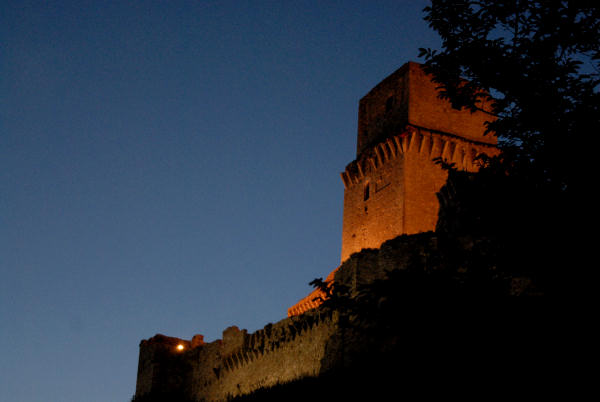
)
(171, 167)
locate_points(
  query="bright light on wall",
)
(180, 347)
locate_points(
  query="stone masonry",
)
(390, 191)
(390, 188)
(304, 345)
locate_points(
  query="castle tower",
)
(390, 188)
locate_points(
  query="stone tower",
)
(390, 188)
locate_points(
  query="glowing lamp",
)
(180, 347)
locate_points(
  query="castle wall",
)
(313, 300)
(408, 96)
(240, 363)
(423, 178)
(426, 109)
(309, 344)
(390, 189)
(384, 110)
(402, 182)
(161, 368)
(399, 253)
(373, 209)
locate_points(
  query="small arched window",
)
(366, 192)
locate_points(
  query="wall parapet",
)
(427, 143)
(311, 301)
(240, 362)
(305, 345)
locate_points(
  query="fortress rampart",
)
(305, 345)
(389, 193)
(240, 363)
(391, 189)
(387, 213)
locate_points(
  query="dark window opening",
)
(366, 192)
(389, 104)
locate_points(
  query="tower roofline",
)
(409, 96)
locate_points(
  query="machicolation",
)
(390, 213)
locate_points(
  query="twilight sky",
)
(172, 167)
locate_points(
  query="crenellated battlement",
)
(429, 144)
(239, 363)
(389, 192)
(390, 188)
(307, 345)
(403, 128)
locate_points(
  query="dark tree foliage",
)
(540, 60)
(534, 68)
(538, 64)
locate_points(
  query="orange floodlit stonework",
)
(313, 299)
(390, 188)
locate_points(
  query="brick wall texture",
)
(390, 190)
(306, 345)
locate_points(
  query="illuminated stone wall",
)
(408, 96)
(305, 345)
(390, 189)
(240, 363)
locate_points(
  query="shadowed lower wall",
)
(305, 345)
(240, 363)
